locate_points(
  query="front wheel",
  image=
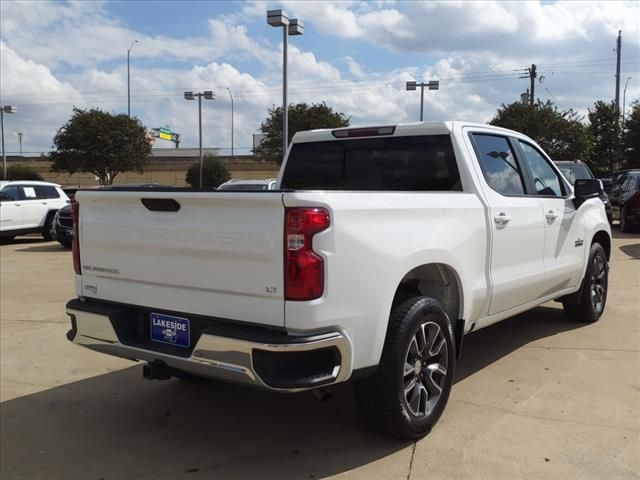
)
(409, 391)
(624, 223)
(48, 230)
(593, 296)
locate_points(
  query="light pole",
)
(129, 78)
(277, 18)
(231, 95)
(432, 85)
(20, 135)
(3, 110)
(208, 94)
(624, 98)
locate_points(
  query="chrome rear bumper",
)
(221, 357)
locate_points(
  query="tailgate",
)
(220, 254)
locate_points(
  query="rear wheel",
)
(65, 243)
(409, 391)
(593, 297)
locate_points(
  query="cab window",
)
(499, 164)
(546, 180)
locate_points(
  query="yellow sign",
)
(165, 136)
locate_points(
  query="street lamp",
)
(231, 95)
(277, 18)
(208, 95)
(3, 110)
(624, 97)
(431, 85)
(129, 78)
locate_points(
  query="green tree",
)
(22, 172)
(604, 125)
(214, 172)
(560, 133)
(101, 143)
(301, 117)
(631, 138)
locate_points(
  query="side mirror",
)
(585, 189)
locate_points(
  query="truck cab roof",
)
(400, 129)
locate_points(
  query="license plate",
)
(170, 330)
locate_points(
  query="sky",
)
(355, 56)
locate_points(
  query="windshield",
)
(577, 171)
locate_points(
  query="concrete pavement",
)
(536, 396)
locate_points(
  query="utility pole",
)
(618, 52)
(531, 74)
(532, 78)
(231, 95)
(129, 78)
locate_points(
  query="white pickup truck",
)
(380, 248)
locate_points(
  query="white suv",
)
(29, 207)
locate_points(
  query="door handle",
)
(502, 218)
(551, 215)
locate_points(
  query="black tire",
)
(383, 397)
(624, 222)
(593, 297)
(47, 233)
(65, 243)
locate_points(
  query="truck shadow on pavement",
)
(45, 248)
(116, 425)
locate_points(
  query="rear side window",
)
(417, 163)
(499, 164)
(634, 184)
(46, 191)
(29, 192)
(12, 191)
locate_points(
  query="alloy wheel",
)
(598, 283)
(425, 369)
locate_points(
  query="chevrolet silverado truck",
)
(379, 249)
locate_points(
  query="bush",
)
(22, 172)
(214, 173)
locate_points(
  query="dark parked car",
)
(63, 225)
(625, 199)
(576, 170)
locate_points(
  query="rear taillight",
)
(75, 246)
(304, 268)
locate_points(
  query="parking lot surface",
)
(536, 396)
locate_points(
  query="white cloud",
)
(354, 68)
(56, 55)
(512, 28)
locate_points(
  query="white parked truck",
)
(378, 250)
